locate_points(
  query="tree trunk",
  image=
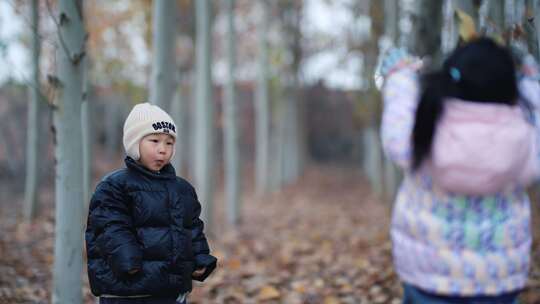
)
(470, 7)
(290, 124)
(294, 142)
(232, 168)
(277, 149)
(509, 13)
(113, 136)
(483, 13)
(391, 174)
(391, 20)
(204, 114)
(529, 25)
(450, 31)
(179, 113)
(372, 150)
(33, 146)
(519, 11)
(425, 40)
(373, 158)
(534, 28)
(163, 82)
(262, 112)
(86, 124)
(496, 14)
(67, 280)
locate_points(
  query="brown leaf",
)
(268, 293)
(331, 300)
(467, 28)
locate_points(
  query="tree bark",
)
(33, 146)
(163, 82)
(294, 141)
(391, 20)
(391, 174)
(262, 112)
(232, 164)
(496, 15)
(528, 21)
(67, 280)
(179, 114)
(372, 150)
(534, 16)
(425, 40)
(204, 114)
(86, 124)
(373, 158)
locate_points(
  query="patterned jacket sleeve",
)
(113, 228)
(201, 250)
(400, 97)
(529, 89)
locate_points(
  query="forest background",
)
(278, 113)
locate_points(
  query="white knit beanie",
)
(145, 119)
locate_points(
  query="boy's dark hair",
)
(479, 71)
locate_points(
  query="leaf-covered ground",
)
(323, 240)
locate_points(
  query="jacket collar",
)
(167, 172)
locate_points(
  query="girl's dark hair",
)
(479, 71)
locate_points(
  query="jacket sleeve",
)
(200, 247)
(113, 227)
(529, 89)
(400, 97)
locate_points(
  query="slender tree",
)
(533, 26)
(204, 113)
(372, 149)
(509, 13)
(232, 168)
(391, 34)
(86, 123)
(294, 139)
(163, 81)
(529, 26)
(67, 272)
(391, 21)
(262, 111)
(496, 15)
(179, 111)
(34, 121)
(424, 40)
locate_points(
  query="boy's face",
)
(156, 150)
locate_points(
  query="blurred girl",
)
(466, 139)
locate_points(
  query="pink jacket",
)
(449, 242)
(481, 149)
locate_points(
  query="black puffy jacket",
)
(147, 221)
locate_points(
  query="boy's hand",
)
(198, 272)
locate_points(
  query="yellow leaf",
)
(268, 293)
(362, 263)
(234, 264)
(299, 286)
(331, 300)
(467, 28)
(319, 283)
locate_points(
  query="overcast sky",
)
(13, 58)
(328, 17)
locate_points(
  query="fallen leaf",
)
(268, 293)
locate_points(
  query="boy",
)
(144, 239)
